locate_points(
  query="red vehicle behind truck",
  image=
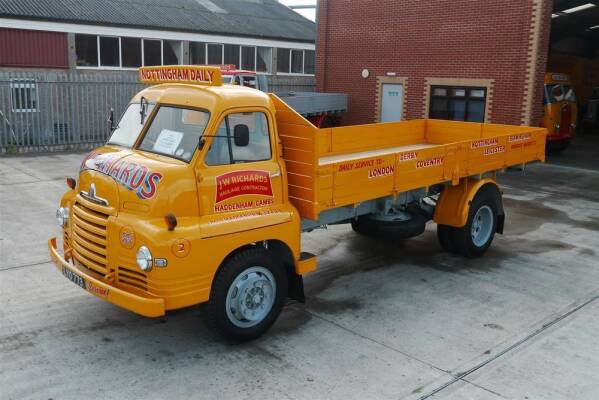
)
(321, 109)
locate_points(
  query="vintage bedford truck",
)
(203, 189)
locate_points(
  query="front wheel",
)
(473, 239)
(557, 147)
(247, 296)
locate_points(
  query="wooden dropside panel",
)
(443, 132)
(298, 137)
(359, 138)
(346, 180)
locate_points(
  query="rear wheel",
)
(474, 238)
(247, 295)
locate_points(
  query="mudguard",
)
(453, 205)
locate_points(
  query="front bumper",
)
(558, 136)
(146, 306)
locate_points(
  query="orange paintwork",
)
(311, 170)
(560, 118)
(335, 167)
(453, 204)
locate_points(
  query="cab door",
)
(239, 175)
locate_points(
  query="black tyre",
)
(557, 147)
(363, 227)
(247, 296)
(368, 225)
(476, 236)
(445, 236)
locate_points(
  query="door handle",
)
(275, 174)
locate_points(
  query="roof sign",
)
(559, 77)
(227, 67)
(200, 75)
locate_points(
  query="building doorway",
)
(391, 102)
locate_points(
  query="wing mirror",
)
(241, 135)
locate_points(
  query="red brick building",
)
(453, 59)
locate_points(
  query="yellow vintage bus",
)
(560, 115)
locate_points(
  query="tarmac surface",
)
(383, 320)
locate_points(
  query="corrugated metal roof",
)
(255, 18)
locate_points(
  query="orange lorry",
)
(560, 115)
(203, 190)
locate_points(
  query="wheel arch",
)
(453, 205)
(283, 253)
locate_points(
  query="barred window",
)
(23, 95)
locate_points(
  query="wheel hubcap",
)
(251, 297)
(482, 226)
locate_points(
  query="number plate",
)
(73, 277)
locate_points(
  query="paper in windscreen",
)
(168, 141)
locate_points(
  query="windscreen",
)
(130, 125)
(556, 92)
(175, 132)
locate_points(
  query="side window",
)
(224, 149)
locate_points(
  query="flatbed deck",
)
(334, 167)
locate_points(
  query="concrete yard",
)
(396, 320)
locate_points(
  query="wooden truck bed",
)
(334, 167)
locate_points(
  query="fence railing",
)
(53, 111)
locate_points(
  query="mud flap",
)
(295, 290)
(500, 223)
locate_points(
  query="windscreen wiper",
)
(143, 105)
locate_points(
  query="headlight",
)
(144, 259)
(62, 216)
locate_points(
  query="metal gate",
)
(54, 111)
(50, 111)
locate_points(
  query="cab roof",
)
(212, 98)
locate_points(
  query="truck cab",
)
(560, 108)
(187, 170)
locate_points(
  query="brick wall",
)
(419, 41)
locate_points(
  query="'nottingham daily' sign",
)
(203, 75)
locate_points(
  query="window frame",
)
(270, 65)
(99, 66)
(24, 83)
(212, 136)
(467, 98)
(150, 121)
(205, 44)
(141, 51)
(289, 73)
(222, 53)
(141, 133)
(162, 50)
